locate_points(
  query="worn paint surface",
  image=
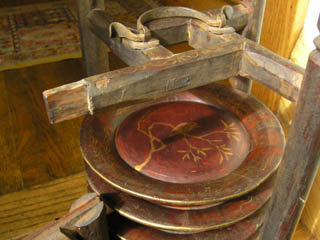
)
(266, 148)
(161, 73)
(301, 158)
(127, 230)
(183, 142)
(181, 221)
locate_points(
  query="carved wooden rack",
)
(225, 46)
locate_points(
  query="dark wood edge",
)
(268, 68)
(150, 80)
(53, 229)
(144, 82)
(255, 10)
(94, 51)
(252, 31)
(168, 31)
(301, 159)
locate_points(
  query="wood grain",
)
(99, 22)
(199, 5)
(302, 233)
(33, 151)
(311, 212)
(11, 3)
(10, 170)
(72, 69)
(93, 225)
(174, 73)
(27, 210)
(301, 158)
(95, 53)
(280, 38)
(168, 30)
(144, 82)
(275, 72)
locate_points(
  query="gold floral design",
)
(192, 152)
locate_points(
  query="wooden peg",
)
(93, 224)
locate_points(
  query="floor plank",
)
(32, 150)
(10, 171)
(27, 210)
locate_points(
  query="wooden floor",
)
(27, 210)
(31, 150)
(24, 211)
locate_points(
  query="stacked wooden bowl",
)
(195, 165)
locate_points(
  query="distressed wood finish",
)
(302, 151)
(180, 221)
(199, 36)
(180, 72)
(168, 30)
(96, 56)
(255, 14)
(257, 235)
(52, 230)
(93, 224)
(68, 227)
(127, 230)
(301, 159)
(182, 142)
(232, 53)
(144, 82)
(257, 63)
(266, 140)
(273, 71)
(283, 22)
(173, 31)
(99, 22)
(252, 31)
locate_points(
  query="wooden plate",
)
(257, 235)
(127, 230)
(266, 149)
(180, 221)
(190, 207)
(183, 142)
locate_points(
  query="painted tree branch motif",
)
(192, 152)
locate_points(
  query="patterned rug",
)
(36, 34)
